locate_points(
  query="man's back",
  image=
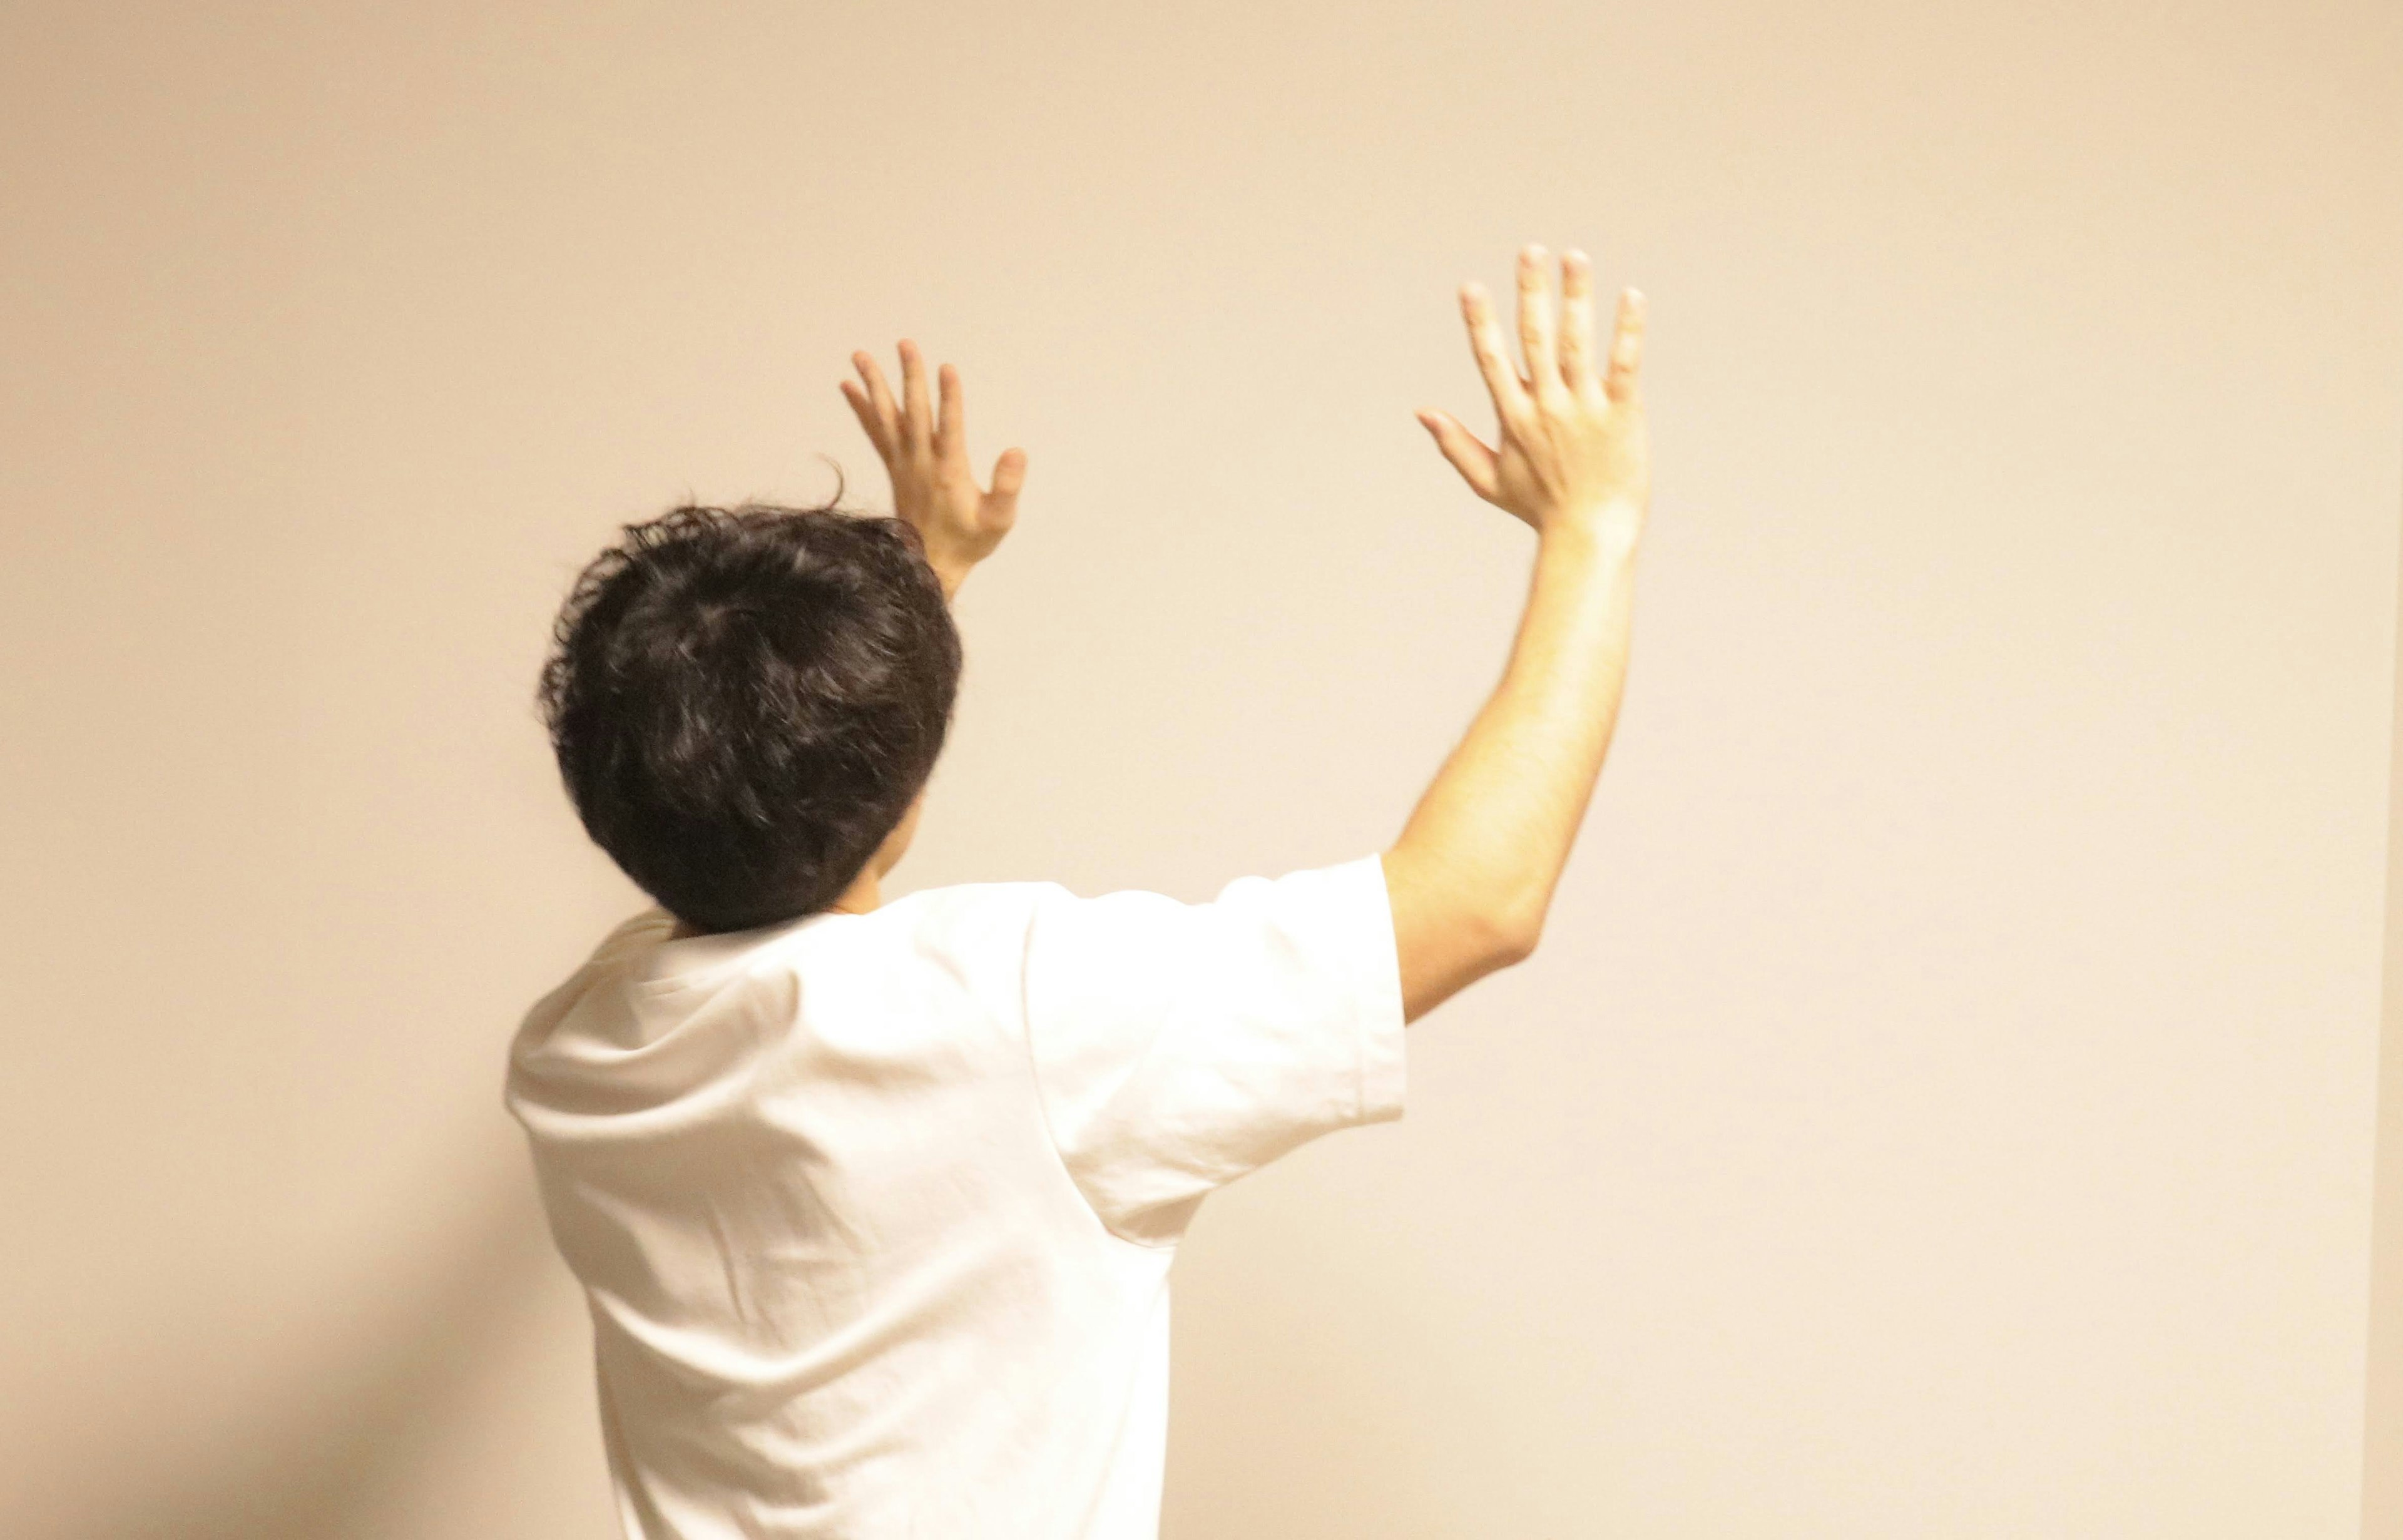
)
(875, 1212)
(875, 1208)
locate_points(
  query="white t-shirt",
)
(874, 1212)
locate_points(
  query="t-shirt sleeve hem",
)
(1377, 989)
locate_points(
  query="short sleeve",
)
(1178, 1045)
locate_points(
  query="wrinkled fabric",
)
(874, 1213)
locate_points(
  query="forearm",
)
(1495, 825)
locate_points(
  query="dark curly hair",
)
(745, 701)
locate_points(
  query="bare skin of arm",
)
(935, 492)
(1472, 874)
(1471, 877)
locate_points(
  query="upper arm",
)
(1443, 941)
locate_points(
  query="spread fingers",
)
(1577, 323)
(874, 404)
(950, 426)
(1492, 361)
(1536, 322)
(917, 417)
(1627, 348)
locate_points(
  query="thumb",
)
(1009, 475)
(1468, 453)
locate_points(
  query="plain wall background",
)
(1944, 1102)
(2382, 1430)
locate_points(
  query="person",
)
(874, 1203)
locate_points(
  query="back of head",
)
(745, 701)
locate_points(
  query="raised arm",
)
(935, 490)
(1471, 877)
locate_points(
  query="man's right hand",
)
(1572, 443)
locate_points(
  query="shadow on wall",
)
(329, 1468)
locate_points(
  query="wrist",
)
(949, 564)
(1611, 530)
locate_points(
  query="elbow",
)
(1513, 935)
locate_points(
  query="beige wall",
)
(1944, 1103)
(2383, 1433)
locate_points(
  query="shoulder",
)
(629, 938)
(1000, 932)
(967, 923)
(990, 923)
(966, 903)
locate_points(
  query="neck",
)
(862, 894)
(858, 898)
